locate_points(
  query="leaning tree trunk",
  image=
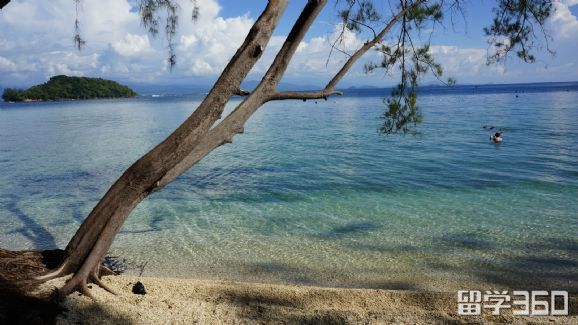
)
(195, 138)
(94, 237)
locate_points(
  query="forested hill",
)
(64, 88)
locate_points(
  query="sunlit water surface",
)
(312, 194)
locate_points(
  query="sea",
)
(312, 193)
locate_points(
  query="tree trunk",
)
(87, 248)
(195, 139)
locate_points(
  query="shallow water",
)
(312, 194)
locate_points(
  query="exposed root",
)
(79, 282)
(85, 291)
(96, 280)
(103, 270)
(25, 270)
(76, 283)
(53, 275)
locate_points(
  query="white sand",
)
(187, 301)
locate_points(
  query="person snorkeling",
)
(496, 137)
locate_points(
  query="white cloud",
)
(36, 42)
(6, 65)
(462, 61)
(187, 41)
(201, 67)
(563, 21)
(206, 46)
(132, 45)
(117, 45)
(312, 58)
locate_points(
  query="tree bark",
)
(94, 237)
(234, 123)
(195, 138)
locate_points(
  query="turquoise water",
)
(312, 194)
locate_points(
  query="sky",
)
(36, 43)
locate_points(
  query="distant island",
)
(68, 88)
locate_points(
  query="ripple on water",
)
(312, 194)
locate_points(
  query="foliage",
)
(79, 42)
(413, 60)
(64, 87)
(512, 30)
(152, 13)
(365, 13)
(151, 19)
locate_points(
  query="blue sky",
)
(35, 43)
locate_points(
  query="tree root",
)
(76, 283)
(79, 282)
(96, 280)
(60, 272)
(83, 289)
(25, 270)
(103, 270)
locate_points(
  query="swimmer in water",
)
(496, 137)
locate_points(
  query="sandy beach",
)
(189, 301)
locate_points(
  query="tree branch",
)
(340, 51)
(368, 45)
(364, 25)
(329, 88)
(296, 35)
(265, 91)
(304, 95)
(234, 122)
(143, 177)
(3, 3)
(241, 92)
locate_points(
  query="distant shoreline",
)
(69, 88)
(32, 101)
(185, 89)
